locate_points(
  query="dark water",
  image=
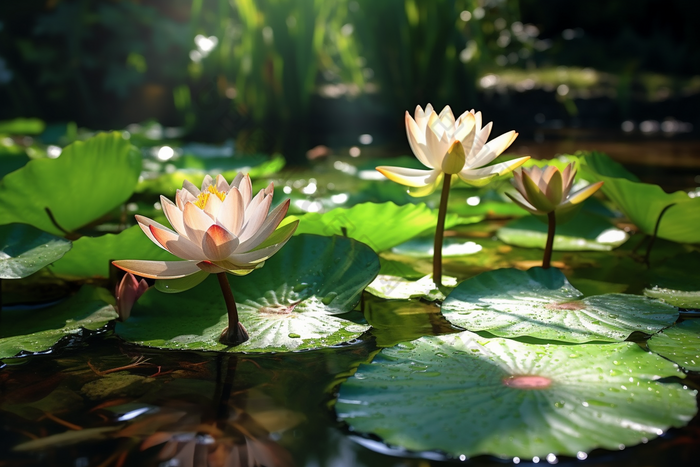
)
(114, 404)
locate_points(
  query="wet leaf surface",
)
(680, 344)
(541, 303)
(24, 250)
(466, 395)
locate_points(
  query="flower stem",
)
(235, 333)
(552, 225)
(440, 231)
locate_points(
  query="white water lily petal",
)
(173, 214)
(256, 219)
(271, 223)
(145, 223)
(158, 269)
(209, 267)
(189, 186)
(207, 182)
(218, 243)
(196, 223)
(221, 184)
(416, 139)
(213, 206)
(232, 212)
(479, 142)
(492, 170)
(183, 197)
(246, 189)
(494, 148)
(175, 244)
(409, 177)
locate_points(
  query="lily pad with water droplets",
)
(398, 288)
(291, 303)
(381, 226)
(24, 250)
(677, 281)
(680, 344)
(423, 247)
(585, 232)
(541, 303)
(466, 395)
(37, 330)
(89, 180)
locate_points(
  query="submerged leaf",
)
(466, 395)
(541, 303)
(287, 305)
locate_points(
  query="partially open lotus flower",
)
(127, 292)
(545, 190)
(220, 228)
(434, 139)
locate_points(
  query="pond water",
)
(99, 401)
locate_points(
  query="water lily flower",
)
(447, 147)
(127, 292)
(434, 139)
(220, 228)
(547, 191)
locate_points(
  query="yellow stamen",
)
(203, 197)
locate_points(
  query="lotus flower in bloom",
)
(545, 190)
(451, 146)
(220, 228)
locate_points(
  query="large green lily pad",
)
(379, 225)
(643, 203)
(24, 250)
(91, 256)
(398, 288)
(466, 395)
(37, 330)
(290, 304)
(86, 182)
(423, 247)
(541, 303)
(677, 281)
(585, 232)
(680, 344)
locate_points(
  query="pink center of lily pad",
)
(527, 382)
(277, 310)
(575, 305)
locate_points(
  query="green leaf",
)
(679, 298)
(88, 180)
(91, 256)
(22, 126)
(602, 164)
(287, 305)
(182, 284)
(585, 232)
(381, 226)
(24, 250)
(37, 330)
(680, 344)
(463, 395)
(423, 247)
(677, 281)
(398, 288)
(644, 203)
(541, 303)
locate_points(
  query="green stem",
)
(440, 231)
(235, 333)
(552, 225)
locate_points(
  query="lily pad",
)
(86, 182)
(680, 344)
(22, 126)
(91, 256)
(379, 225)
(290, 304)
(677, 281)
(32, 331)
(24, 250)
(585, 232)
(643, 203)
(679, 298)
(541, 303)
(466, 395)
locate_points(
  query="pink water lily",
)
(218, 228)
(127, 292)
(433, 139)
